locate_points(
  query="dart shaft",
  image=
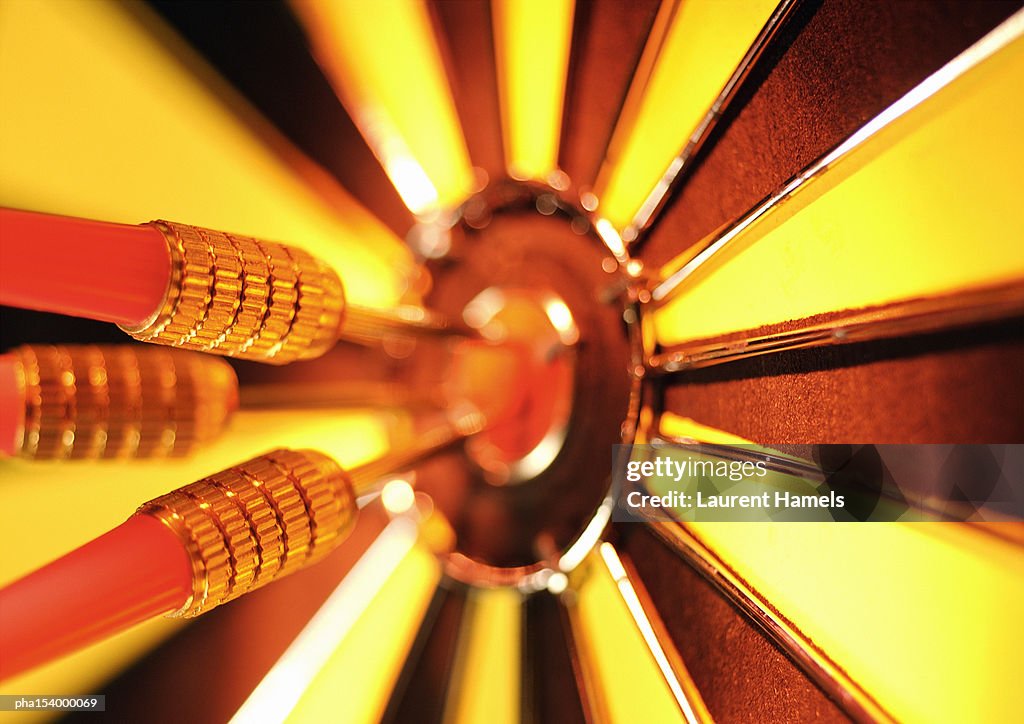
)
(360, 394)
(110, 272)
(368, 326)
(434, 440)
(144, 573)
(12, 410)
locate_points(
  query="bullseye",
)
(529, 273)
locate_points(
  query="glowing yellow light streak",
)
(103, 122)
(532, 39)
(901, 607)
(623, 679)
(376, 607)
(689, 66)
(384, 63)
(686, 696)
(685, 428)
(486, 685)
(926, 205)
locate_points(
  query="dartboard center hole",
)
(521, 375)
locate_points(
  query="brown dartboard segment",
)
(608, 39)
(954, 387)
(552, 686)
(420, 694)
(741, 675)
(832, 67)
(464, 34)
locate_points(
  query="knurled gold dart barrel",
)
(243, 297)
(116, 401)
(257, 521)
(272, 515)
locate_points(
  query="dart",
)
(200, 546)
(194, 288)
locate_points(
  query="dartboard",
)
(542, 231)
